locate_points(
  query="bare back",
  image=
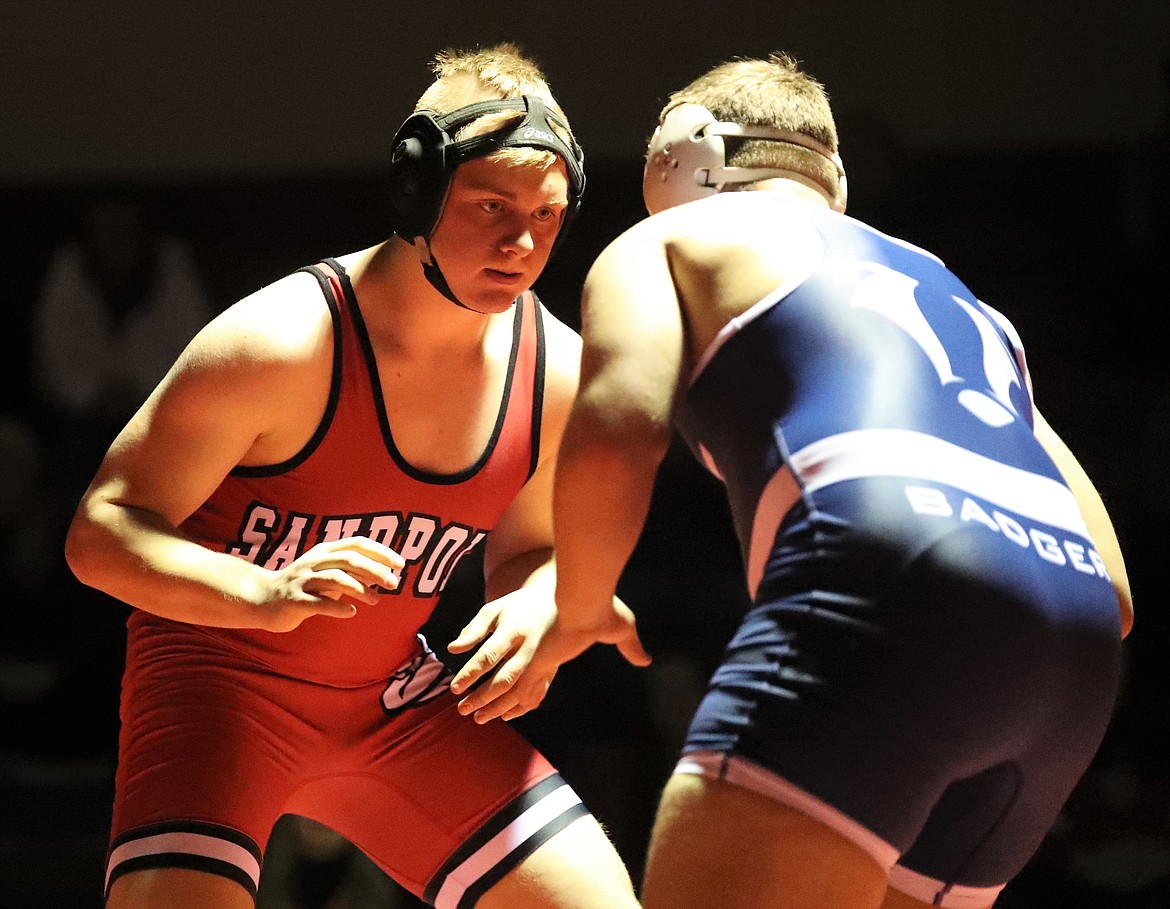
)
(661, 293)
(727, 257)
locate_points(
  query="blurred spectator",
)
(55, 788)
(116, 306)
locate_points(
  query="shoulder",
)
(713, 258)
(562, 354)
(725, 226)
(1004, 323)
(286, 319)
(276, 338)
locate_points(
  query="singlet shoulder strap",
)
(539, 352)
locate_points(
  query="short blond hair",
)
(772, 92)
(502, 71)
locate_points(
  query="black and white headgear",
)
(687, 158)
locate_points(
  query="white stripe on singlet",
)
(913, 456)
(502, 844)
(186, 844)
(717, 765)
(735, 769)
(939, 893)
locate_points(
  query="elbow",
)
(81, 545)
(635, 435)
(626, 444)
(656, 440)
(76, 551)
(1126, 603)
(632, 451)
(642, 441)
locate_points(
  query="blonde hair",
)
(502, 71)
(770, 92)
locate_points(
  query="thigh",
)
(719, 844)
(446, 806)
(578, 868)
(204, 765)
(177, 888)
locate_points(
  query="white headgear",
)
(686, 160)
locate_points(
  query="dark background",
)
(1025, 143)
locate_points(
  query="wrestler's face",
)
(497, 229)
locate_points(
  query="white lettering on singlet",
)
(289, 546)
(260, 522)
(431, 548)
(927, 500)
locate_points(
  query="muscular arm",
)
(521, 574)
(1095, 514)
(519, 549)
(620, 425)
(215, 409)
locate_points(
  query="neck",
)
(402, 310)
(796, 186)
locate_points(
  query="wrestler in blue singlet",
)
(933, 654)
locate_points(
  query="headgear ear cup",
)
(680, 148)
(417, 175)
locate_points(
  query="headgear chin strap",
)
(426, 153)
(687, 158)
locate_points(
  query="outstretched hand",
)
(524, 643)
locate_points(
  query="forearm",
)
(1104, 537)
(137, 557)
(1096, 516)
(605, 477)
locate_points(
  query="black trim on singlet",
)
(268, 470)
(334, 304)
(423, 476)
(537, 387)
(489, 830)
(183, 860)
(186, 859)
